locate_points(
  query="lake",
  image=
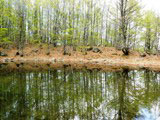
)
(70, 94)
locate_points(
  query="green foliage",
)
(4, 36)
(108, 44)
(78, 22)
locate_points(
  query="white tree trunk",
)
(158, 45)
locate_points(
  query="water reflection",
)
(80, 94)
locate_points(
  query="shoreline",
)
(110, 60)
(102, 64)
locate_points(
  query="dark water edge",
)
(45, 64)
(66, 93)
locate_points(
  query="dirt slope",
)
(109, 59)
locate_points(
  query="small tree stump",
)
(17, 53)
(143, 55)
(125, 51)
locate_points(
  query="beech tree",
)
(127, 9)
(77, 23)
(150, 36)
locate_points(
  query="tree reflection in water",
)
(78, 94)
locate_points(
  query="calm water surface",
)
(80, 95)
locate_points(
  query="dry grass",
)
(109, 59)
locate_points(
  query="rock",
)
(48, 53)
(96, 50)
(89, 49)
(143, 55)
(67, 52)
(17, 53)
(21, 55)
(35, 51)
(12, 60)
(6, 60)
(3, 54)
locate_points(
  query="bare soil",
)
(36, 57)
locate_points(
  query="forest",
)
(122, 24)
(79, 60)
